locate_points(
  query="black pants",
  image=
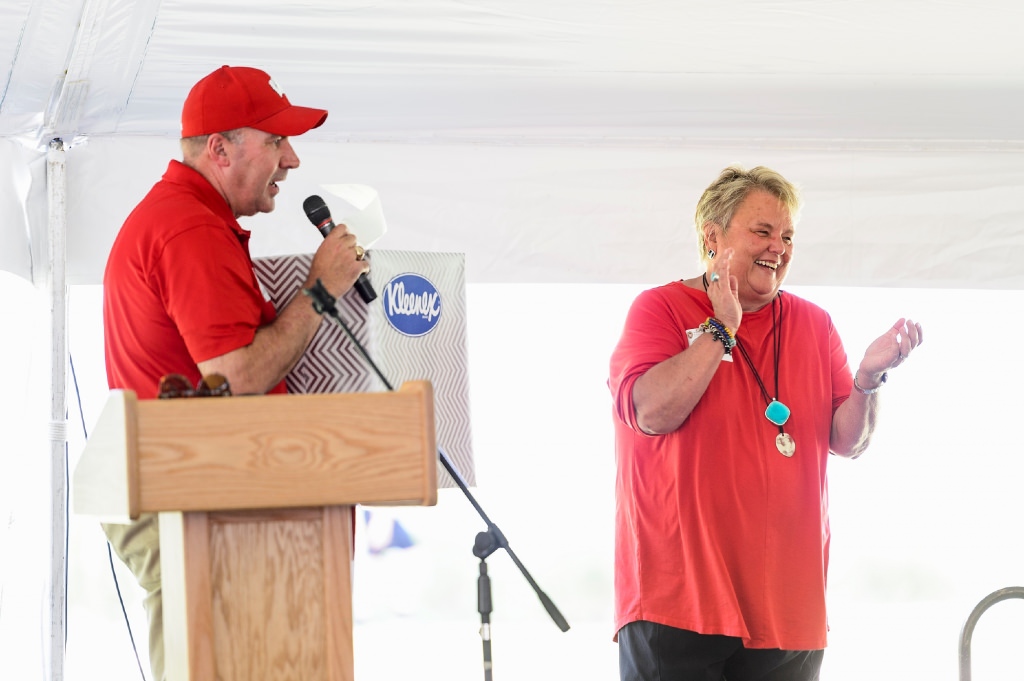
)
(655, 652)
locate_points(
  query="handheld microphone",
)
(320, 215)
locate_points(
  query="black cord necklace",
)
(775, 411)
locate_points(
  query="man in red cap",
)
(179, 292)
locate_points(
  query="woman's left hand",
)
(891, 349)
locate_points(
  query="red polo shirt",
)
(179, 287)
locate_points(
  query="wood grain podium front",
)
(255, 498)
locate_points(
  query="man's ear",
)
(216, 149)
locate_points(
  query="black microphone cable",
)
(110, 549)
(324, 303)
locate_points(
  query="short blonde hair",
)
(726, 193)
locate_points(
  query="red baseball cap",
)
(242, 97)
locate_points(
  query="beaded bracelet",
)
(720, 332)
(723, 328)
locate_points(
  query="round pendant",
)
(785, 444)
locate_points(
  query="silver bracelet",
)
(871, 391)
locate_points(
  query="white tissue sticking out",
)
(358, 207)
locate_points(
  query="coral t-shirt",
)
(716, 531)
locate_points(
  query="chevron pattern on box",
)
(331, 363)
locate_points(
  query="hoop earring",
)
(711, 253)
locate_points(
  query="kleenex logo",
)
(411, 304)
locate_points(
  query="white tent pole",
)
(56, 185)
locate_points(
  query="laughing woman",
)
(729, 396)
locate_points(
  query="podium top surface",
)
(266, 451)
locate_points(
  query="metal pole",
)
(56, 284)
(972, 621)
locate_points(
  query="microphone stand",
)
(483, 547)
(486, 542)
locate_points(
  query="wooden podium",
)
(255, 498)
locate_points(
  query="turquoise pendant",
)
(777, 413)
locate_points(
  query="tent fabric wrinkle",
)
(22, 184)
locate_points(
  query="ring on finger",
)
(714, 277)
(360, 252)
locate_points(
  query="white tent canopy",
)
(554, 142)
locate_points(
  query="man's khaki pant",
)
(138, 545)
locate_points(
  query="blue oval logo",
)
(412, 304)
